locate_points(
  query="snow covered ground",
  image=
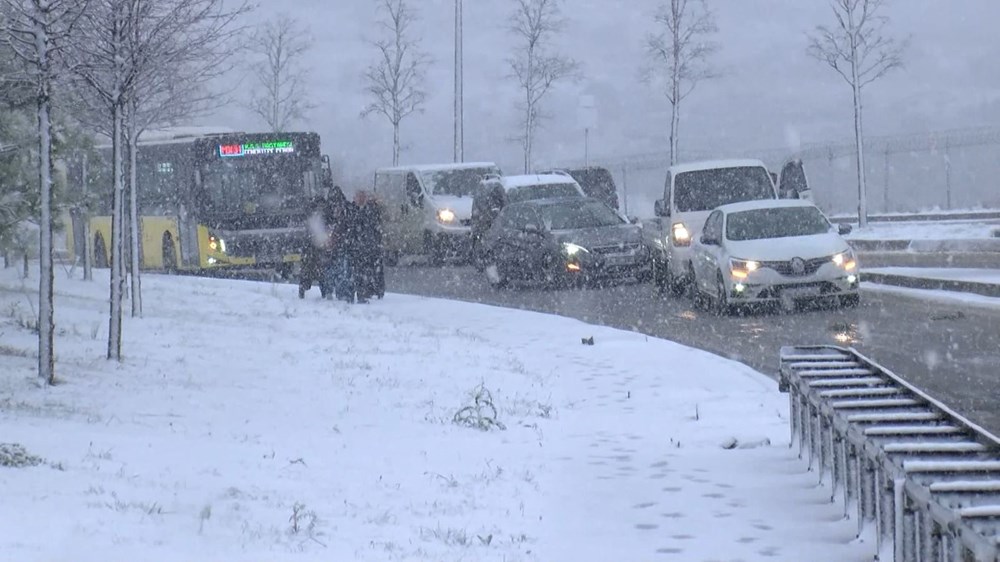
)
(944, 230)
(246, 424)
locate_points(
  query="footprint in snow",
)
(643, 505)
(646, 526)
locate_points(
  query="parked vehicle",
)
(428, 209)
(690, 193)
(597, 182)
(772, 251)
(563, 241)
(496, 192)
(792, 182)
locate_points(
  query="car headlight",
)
(681, 234)
(742, 268)
(446, 216)
(571, 249)
(845, 260)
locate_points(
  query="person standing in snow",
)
(339, 274)
(316, 253)
(367, 247)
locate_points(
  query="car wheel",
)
(722, 306)
(434, 249)
(850, 301)
(495, 275)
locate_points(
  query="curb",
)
(984, 289)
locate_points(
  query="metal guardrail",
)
(923, 217)
(927, 478)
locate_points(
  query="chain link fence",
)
(945, 170)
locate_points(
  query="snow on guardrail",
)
(927, 478)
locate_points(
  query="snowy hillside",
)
(246, 424)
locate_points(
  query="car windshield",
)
(542, 191)
(460, 182)
(703, 190)
(760, 224)
(579, 215)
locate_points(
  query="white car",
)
(780, 251)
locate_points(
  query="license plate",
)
(619, 259)
(800, 293)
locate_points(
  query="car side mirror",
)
(844, 229)
(661, 209)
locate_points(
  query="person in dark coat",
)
(315, 255)
(367, 248)
(340, 273)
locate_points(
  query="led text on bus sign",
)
(256, 148)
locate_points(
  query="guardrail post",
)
(899, 535)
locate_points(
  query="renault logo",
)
(798, 266)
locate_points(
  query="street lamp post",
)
(459, 109)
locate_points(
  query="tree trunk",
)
(134, 226)
(395, 144)
(88, 250)
(117, 203)
(46, 324)
(859, 142)
(675, 82)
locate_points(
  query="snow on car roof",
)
(764, 204)
(714, 164)
(514, 182)
(439, 167)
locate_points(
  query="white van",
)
(690, 193)
(428, 208)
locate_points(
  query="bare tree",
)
(281, 95)
(858, 49)
(534, 24)
(395, 81)
(678, 55)
(36, 31)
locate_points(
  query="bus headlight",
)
(681, 234)
(216, 243)
(446, 216)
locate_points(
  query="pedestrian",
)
(367, 252)
(315, 261)
(340, 273)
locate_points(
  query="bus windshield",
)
(273, 184)
(459, 182)
(703, 190)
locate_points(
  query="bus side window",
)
(413, 192)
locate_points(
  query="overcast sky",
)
(770, 93)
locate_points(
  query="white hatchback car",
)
(782, 251)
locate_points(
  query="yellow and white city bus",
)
(215, 201)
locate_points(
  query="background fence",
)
(945, 170)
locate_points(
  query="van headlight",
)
(571, 249)
(681, 235)
(446, 216)
(741, 269)
(845, 260)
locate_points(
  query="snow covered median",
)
(246, 424)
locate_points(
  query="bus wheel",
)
(169, 254)
(100, 253)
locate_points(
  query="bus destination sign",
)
(256, 148)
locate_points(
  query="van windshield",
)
(703, 190)
(460, 182)
(542, 191)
